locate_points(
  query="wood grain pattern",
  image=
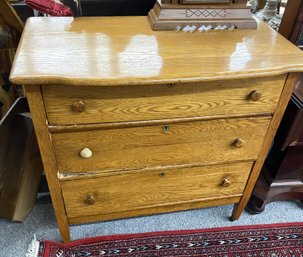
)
(111, 51)
(139, 147)
(150, 102)
(150, 189)
(285, 96)
(112, 72)
(34, 97)
(157, 209)
(130, 124)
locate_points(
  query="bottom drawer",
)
(149, 189)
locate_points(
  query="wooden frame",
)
(291, 26)
(205, 1)
(10, 16)
(20, 163)
(196, 13)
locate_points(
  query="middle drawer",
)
(206, 142)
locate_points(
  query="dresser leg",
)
(236, 213)
(64, 231)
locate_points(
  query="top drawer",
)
(83, 105)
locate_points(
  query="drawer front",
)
(84, 105)
(117, 193)
(206, 142)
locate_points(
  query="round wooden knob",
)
(78, 106)
(255, 95)
(90, 199)
(239, 142)
(86, 153)
(226, 183)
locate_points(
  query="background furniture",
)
(99, 8)
(146, 122)
(282, 175)
(10, 30)
(188, 15)
(291, 26)
(20, 163)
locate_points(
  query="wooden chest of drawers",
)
(134, 122)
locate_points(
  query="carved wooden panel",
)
(205, 1)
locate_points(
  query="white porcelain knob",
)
(86, 153)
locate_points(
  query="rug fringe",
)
(33, 248)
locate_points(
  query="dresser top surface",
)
(124, 50)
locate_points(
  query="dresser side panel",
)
(37, 109)
(277, 117)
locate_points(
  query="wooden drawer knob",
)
(225, 183)
(90, 199)
(86, 153)
(255, 95)
(239, 142)
(78, 106)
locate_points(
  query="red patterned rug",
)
(276, 240)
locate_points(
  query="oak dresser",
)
(132, 122)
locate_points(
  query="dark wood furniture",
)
(99, 8)
(201, 15)
(20, 163)
(10, 30)
(281, 177)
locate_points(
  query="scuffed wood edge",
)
(74, 81)
(69, 176)
(130, 124)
